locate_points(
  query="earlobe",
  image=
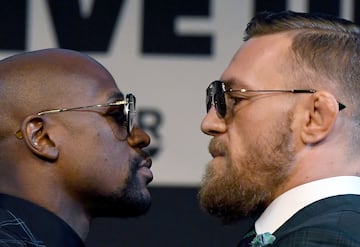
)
(321, 117)
(38, 139)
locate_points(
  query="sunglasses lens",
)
(209, 100)
(130, 112)
(215, 96)
(220, 104)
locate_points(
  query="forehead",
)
(260, 62)
(87, 82)
(98, 91)
(54, 79)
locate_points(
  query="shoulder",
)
(328, 221)
(14, 232)
(318, 236)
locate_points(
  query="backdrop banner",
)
(166, 52)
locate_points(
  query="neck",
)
(314, 163)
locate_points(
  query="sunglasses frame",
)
(129, 111)
(215, 95)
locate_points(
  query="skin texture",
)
(270, 143)
(71, 163)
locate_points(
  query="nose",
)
(138, 138)
(212, 124)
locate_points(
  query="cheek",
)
(103, 173)
(96, 161)
(249, 130)
(111, 157)
(239, 134)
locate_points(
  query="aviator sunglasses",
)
(215, 95)
(127, 105)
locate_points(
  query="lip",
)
(144, 169)
(215, 154)
(217, 148)
(146, 163)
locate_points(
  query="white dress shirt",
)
(289, 203)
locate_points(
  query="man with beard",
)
(284, 120)
(69, 149)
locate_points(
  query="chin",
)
(128, 205)
(132, 200)
(135, 204)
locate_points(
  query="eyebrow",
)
(116, 97)
(230, 83)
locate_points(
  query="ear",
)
(321, 117)
(38, 139)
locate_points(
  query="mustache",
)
(217, 148)
(141, 157)
(145, 155)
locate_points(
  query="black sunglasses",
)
(129, 111)
(215, 95)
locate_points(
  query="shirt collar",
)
(287, 204)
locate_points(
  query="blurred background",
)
(166, 52)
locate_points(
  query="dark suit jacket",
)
(334, 221)
(23, 223)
